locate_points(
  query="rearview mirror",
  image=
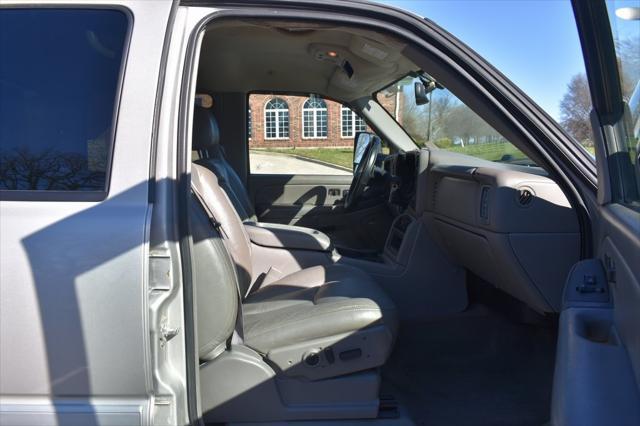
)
(422, 89)
(360, 144)
(420, 93)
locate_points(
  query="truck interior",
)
(425, 289)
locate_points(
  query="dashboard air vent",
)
(525, 197)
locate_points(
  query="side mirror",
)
(360, 144)
(420, 93)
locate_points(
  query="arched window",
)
(276, 119)
(314, 118)
(351, 123)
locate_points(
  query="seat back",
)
(206, 140)
(214, 280)
(204, 183)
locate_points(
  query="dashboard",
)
(510, 225)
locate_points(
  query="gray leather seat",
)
(315, 302)
(206, 140)
(331, 316)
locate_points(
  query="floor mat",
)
(474, 368)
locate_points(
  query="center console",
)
(280, 250)
(394, 246)
(414, 271)
(287, 237)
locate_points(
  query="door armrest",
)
(594, 381)
(287, 237)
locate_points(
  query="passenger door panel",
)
(598, 360)
(594, 381)
(297, 199)
(620, 253)
(315, 201)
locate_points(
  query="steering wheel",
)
(363, 172)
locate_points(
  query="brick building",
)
(278, 121)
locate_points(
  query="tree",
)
(462, 124)
(441, 107)
(575, 108)
(414, 119)
(445, 120)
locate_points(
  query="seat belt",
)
(217, 225)
(238, 335)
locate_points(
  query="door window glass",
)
(317, 140)
(59, 76)
(624, 17)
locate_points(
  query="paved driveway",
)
(276, 163)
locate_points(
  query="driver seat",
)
(206, 140)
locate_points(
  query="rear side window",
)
(59, 78)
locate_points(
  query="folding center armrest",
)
(287, 237)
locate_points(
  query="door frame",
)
(503, 104)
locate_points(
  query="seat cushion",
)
(315, 303)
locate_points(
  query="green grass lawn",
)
(489, 151)
(339, 156)
(343, 157)
(494, 151)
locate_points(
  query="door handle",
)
(334, 192)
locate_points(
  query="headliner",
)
(260, 56)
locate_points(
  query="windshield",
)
(535, 44)
(438, 118)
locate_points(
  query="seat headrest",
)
(206, 134)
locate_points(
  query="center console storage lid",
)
(287, 237)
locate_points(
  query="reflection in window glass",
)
(59, 72)
(625, 25)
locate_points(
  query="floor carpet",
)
(474, 368)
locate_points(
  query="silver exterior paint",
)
(74, 314)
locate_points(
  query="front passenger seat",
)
(307, 334)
